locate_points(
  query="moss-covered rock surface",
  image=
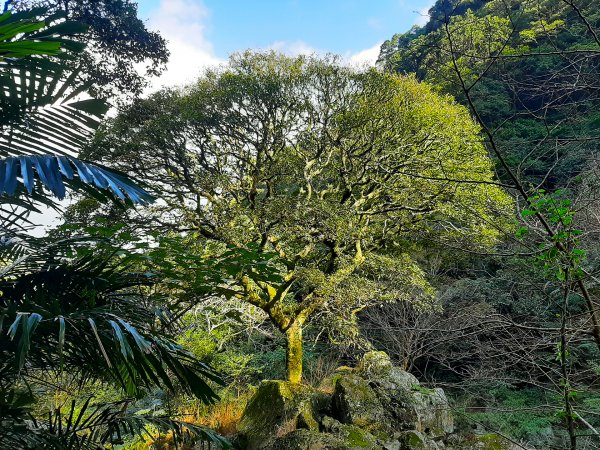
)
(277, 408)
(373, 406)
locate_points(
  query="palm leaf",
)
(29, 78)
(89, 426)
(92, 310)
(49, 171)
(44, 124)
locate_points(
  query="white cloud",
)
(366, 57)
(182, 24)
(294, 48)
(362, 58)
(423, 15)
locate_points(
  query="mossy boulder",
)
(312, 440)
(375, 406)
(375, 365)
(277, 408)
(354, 402)
(352, 435)
(380, 397)
(333, 436)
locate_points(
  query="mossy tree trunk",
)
(294, 352)
(290, 323)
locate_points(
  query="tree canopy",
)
(319, 169)
(121, 54)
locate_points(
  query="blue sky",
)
(205, 32)
(338, 26)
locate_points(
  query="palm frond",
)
(50, 170)
(89, 426)
(30, 79)
(43, 123)
(89, 314)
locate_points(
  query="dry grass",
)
(323, 368)
(286, 427)
(224, 416)
(159, 442)
(165, 442)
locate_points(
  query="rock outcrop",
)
(278, 408)
(373, 406)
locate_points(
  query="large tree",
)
(317, 175)
(121, 55)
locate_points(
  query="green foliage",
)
(84, 426)
(85, 315)
(508, 50)
(72, 305)
(516, 413)
(564, 254)
(302, 198)
(528, 71)
(224, 345)
(524, 414)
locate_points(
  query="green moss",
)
(357, 438)
(375, 363)
(421, 389)
(415, 440)
(356, 403)
(279, 407)
(493, 442)
(361, 389)
(336, 378)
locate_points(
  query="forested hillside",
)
(294, 253)
(529, 73)
(531, 70)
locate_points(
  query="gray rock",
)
(434, 417)
(277, 408)
(407, 405)
(392, 445)
(375, 406)
(351, 438)
(354, 402)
